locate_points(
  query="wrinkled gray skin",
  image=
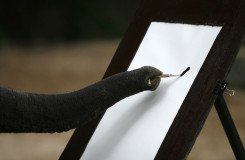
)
(28, 112)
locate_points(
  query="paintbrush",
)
(169, 75)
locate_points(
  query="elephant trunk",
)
(28, 112)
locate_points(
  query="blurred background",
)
(62, 46)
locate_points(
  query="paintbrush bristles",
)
(187, 69)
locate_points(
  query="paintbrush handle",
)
(166, 75)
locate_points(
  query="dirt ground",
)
(63, 68)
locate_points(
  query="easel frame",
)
(229, 127)
(187, 124)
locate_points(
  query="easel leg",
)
(229, 128)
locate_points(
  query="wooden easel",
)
(227, 122)
(231, 15)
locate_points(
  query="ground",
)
(63, 68)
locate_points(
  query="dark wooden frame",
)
(187, 124)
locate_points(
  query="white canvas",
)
(134, 128)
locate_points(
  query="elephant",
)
(23, 112)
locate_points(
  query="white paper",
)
(134, 128)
